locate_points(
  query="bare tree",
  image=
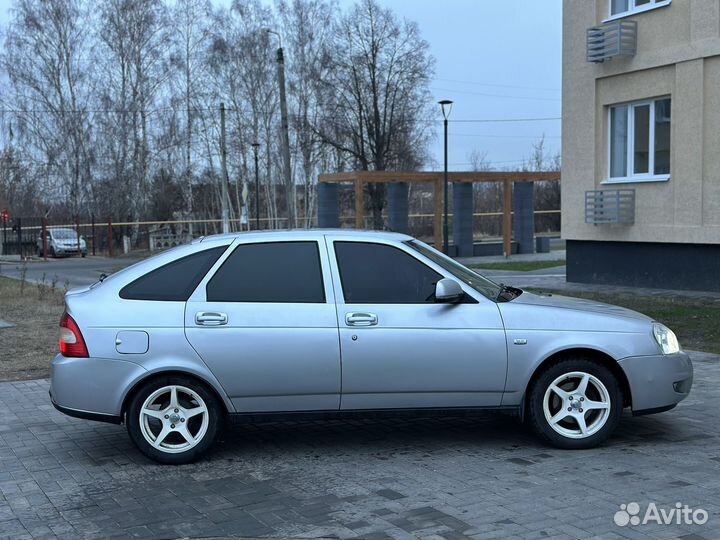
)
(307, 29)
(240, 59)
(547, 194)
(540, 159)
(135, 38)
(191, 18)
(46, 59)
(18, 189)
(114, 103)
(479, 161)
(376, 93)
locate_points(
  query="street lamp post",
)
(446, 106)
(255, 147)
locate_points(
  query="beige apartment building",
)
(641, 142)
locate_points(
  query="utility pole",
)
(285, 136)
(224, 181)
(256, 147)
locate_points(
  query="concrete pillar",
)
(328, 205)
(463, 218)
(524, 217)
(398, 208)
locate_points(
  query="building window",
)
(621, 8)
(639, 145)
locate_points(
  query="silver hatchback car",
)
(61, 242)
(336, 322)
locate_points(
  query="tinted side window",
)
(174, 281)
(273, 272)
(380, 274)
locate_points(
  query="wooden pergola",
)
(360, 178)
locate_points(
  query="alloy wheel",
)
(576, 405)
(174, 419)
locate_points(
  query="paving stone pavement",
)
(478, 477)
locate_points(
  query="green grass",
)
(518, 266)
(696, 322)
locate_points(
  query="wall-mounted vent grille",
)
(615, 38)
(610, 206)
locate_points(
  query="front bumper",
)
(92, 388)
(657, 383)
(65, 250)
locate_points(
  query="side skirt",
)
(369, 414)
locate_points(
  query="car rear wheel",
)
(174, 420)
(575, 404)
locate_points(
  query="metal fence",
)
(24, 236)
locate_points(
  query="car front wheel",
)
(174, 420)
(575, 404)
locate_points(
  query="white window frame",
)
(632, 177)
(634, 9)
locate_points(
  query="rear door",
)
(265, 323)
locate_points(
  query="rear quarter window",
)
(174, 281)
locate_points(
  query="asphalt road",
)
(68, 272)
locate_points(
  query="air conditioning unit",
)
(610, 206)
(611, 39)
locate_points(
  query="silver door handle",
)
(211, 318)
(361, 319)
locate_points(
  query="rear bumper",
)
(658, 383)
(86, 415)
(92, 388)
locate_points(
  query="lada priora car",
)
(336, 322)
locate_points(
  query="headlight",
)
(666, 339)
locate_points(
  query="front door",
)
(401, 349)
(265, 324)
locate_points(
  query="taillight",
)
(72, 343)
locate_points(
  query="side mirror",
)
(448, 291)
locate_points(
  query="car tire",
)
(174, 419)
(575, 404)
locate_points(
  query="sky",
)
(497, 60)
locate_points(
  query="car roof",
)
(281, 234)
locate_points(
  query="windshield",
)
(64, 234)
(481, 284)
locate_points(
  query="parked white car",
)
(61, 242)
